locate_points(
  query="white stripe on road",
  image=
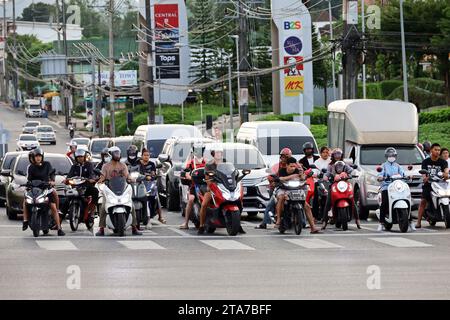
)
(313, 243)
(60, 245)
(141, 245)
(180, 232)
(400, 242)
(227, 245)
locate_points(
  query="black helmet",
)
(390, 152)
(104, 153)
(132, 152)
(427, 146)
(31, 157)
(37, 152)
(308, 145)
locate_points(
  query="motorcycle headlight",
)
(398, 186)
(134, 175)
(29, 200)
(342, 186)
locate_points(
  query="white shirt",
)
(322, 164)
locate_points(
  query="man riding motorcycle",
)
(106, 158)
(147, 167)
(309, 158)
(388, 169)
(72, 148)
(41, 170)
(83, 168)
(132, 156)
(114, 169)
(195, 161)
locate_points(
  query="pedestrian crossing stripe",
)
(400, 242)
(227, 245)
(313, 243)
(60, 245)
(141, 245)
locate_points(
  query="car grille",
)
(251, 182)
(251, 192)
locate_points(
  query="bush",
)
(373, 91)
(319, 116)
(435, 133)
(442, 115)
(388, 86)
(436, 86)
(420, 97)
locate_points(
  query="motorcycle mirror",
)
(324, 170)
(410, 167)
(423, 171)
(246, 172)
(379, 169)
(312, 166)
(210, 173)
(159, 166)
(354, 166)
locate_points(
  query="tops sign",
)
(166, 16)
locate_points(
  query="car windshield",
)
(82, 141)
(98, 145)
(181, 151)
(241, 158)
(123, 146)
(27, 138)
(374, 155)
(60, 164)
(273, 145)
(35, 106)
(155, 147)
(32, 124)
(8, 161)
(45, 129)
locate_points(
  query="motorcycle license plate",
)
(295, 195)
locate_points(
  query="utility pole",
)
(333, 68)
(3, 67)
(111, 68)
(363, 29)
(349, 49)
(64, 87)
(15, 75)
(150, 63)
(94, 100)
(243, 64)
(405, 71)
(57, 27)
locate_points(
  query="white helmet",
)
(115, 153)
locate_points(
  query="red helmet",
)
(286, 152)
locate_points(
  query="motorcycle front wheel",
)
(446, 214)
(74, 220)
(298, 221)
(233, 222)
(403, 220)
(342, 218)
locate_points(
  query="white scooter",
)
(117, 194)
(399, 196)
(439, 208)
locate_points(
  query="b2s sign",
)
(292, 25)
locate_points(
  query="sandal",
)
(162, 220)
(184, 227)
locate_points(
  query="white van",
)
(153, 136)
(33, 108)
(272, 136)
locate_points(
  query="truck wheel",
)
(363, 212)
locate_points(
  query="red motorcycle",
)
(225, 208)
(342, 200)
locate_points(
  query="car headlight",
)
(342, 186)
(263, 189)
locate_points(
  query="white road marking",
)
(400, 242)
(313, 243)
(141, 245)
(227, 245)
(180, 232)
(61, 245)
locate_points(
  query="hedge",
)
(420, 97)
(373, 91)
(388, 86)
(436, 86)
(442, 115)
(319, 116)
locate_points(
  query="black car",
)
(15, 192)
(171, 160)
(7, 163)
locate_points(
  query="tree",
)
(443, 41)
(39, 12)
(322, 77)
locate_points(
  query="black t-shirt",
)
(305, 161)
(434, 167)
(147, 168)
(42, 172)
(283, 172)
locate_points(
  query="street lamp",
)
(228, 57)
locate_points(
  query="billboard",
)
(292, 43)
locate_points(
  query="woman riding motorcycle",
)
(106, 158)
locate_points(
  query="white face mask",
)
(391, 159)
(107, 159)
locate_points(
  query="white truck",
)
(363, 129)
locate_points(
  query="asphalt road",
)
(167, 263)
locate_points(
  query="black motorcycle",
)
(36, 197)
(79, 205)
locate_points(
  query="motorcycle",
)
(117, 195)
(36, 197)
(225, 208)
(342, 200)
(81, 209)
(293, 214)
(151, 188)
(439, 208)
(139, 197)
(399, 202)
(71, 132)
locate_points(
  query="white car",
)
(30, 126)
(81, 142)
(45, 134)
(27, 142)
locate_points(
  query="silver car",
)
(45, 133)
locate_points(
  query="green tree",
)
(442, 41)
(39, 12)
(322, 77)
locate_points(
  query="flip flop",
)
(162, 220)
(183, 227)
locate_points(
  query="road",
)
(167, 263)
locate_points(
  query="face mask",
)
(391, 159)
(132, 157)
(107, 159)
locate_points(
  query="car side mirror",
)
(379, 169)
(163, 158)
(5, 173)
